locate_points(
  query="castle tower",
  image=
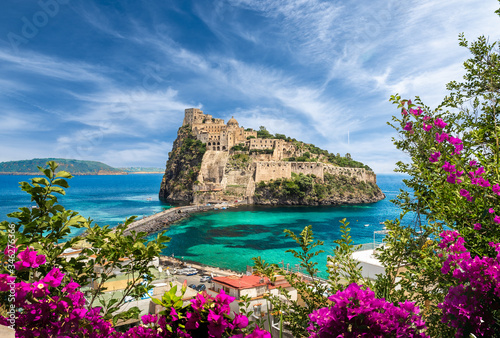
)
(192, 115)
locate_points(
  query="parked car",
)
(192, 286)
(201, 288)
(205, 279)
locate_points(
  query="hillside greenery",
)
(311, 188)
(312, 153)
(77, 167)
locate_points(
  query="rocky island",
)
(214, 162)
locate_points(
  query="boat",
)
(367, 225)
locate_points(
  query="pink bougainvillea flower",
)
(440, 123)
(427, 127)
(491, 211)
(496, 189)
(54, 277)
(416, 112)
(448, 167)
(6, 281)
(441, 137)
(453, 179)
(149, 319)
(479, 171)
(408, 126)
(473, 163)
(71, 287)
(435, 157)
(426, 118)
(466, 194)
(454, 140)
(29, 259)
(496, 219)
(458, 149)
(477, 226)
(404, 112)
(10, 250)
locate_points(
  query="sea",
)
(224, 238)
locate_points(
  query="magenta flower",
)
(416, 112)
(448, 167)
(6, 281)
(358, 312)
(453, 179)
(440, 123)
(240, 321)
(491, 211)
(496, 189)
(427, 127)
(458, 149)
(441, 137)
(435, 157)
(408, 126)
(454, 140)
(466, 194)
(29, 259)
(496, 219)
(473, 163)
(71, 287)
(149, 319)
(426, 118)
(404, 112)
(10, 250)
(477, 226)
(54, 277)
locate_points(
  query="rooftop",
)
(243, 282)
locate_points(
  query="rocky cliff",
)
(183, 166)
(200, 176)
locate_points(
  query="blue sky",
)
(109, 80)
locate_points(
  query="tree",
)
(454, 183)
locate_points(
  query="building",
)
(213, 132)
(254, 287)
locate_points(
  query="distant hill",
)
(75, 167)
(142, 170)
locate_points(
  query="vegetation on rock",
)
(183, 166)
(77, 167)
(309, 189)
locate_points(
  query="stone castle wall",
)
(308, 168)
(271, 170)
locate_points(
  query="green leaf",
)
(63, 174)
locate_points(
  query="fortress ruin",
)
(221, 179)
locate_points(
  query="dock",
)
(161, 220)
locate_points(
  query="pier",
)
(163, 219)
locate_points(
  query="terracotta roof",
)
(244, 282)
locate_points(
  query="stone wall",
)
(266, 171)
(360, 173)
(271, 170)
(308, 168)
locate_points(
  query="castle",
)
(219, 178)
(221, 137)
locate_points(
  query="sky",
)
(109, 80)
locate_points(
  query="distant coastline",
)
(80, 174)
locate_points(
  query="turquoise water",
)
(230, 238)
(226, 238)
(105, 199)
